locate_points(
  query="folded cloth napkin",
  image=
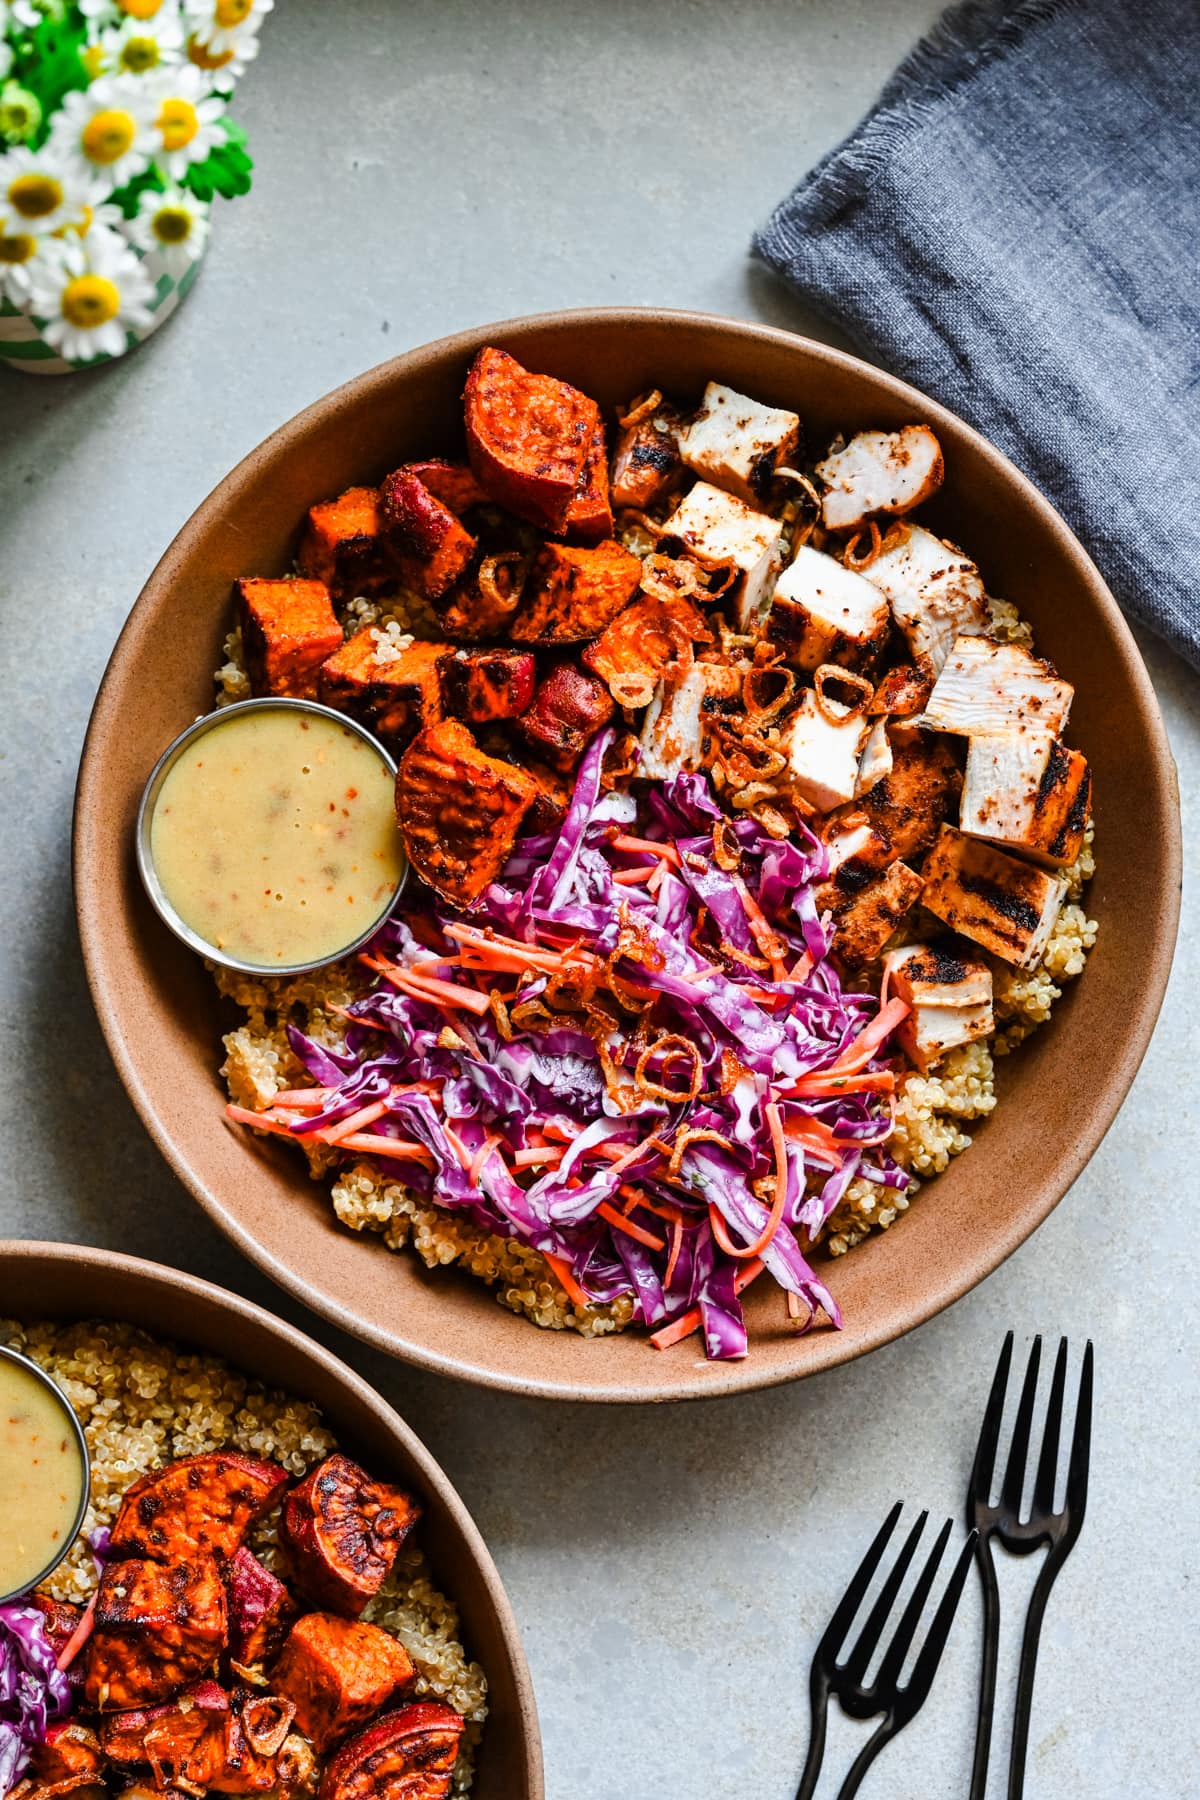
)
(1014, 228)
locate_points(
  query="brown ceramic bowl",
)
(159, 1011)
(69, 1281)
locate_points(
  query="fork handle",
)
(866, 1757)
(1029, 1653)
(818, 1690)
(987, 1673)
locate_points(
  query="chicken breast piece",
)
(1028, 791)
(880, 472)
(721, 531)
(949, 992)
(738, 443)
(934, 591)
(822, 612)
(675, 734)
(822, 743)
(985, 687)
(865, 917)
(877, 759)
(1007, 906)
(853, 842)
(646, 461)
(908, 805)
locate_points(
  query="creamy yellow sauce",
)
(274, 837)
(41, 1477)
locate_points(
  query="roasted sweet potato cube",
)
(392, 686)
(589, 516)
(288, 630)
(158, 1626)
(484, 603)
(568, 710)
(528, 437)
(646, 461)
(572, 594)
(69, 1756)
(244, 1746)
(260, 1609)
(481, 685)
(408, 1754)
(342, 547)
(428, 546)
(459, 812)
(648, 637)
(338, 1673)
(553, 798)
(452, 483)
(205, 1503)
(184, 1737)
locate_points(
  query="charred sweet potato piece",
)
(450, 482)
(528, 437)
(480, 685)
(408, 1754)
(342, 546)
(428, 546)
(288, 629)
(260, 1609)
(244, 1746)
(342, 1530)
(59, 1617)
(157, 1627)
(69, 1756)
(549, 809)
(574, 593)
(484, 602)
(338, 1673)
(169, 1735)
(459, 812)
(568, 710)
(646, 638)
(394, 688)
(589, 516)
(646, 461)
(205, 1503)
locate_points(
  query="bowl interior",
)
(159, 1011)
(60, 1281)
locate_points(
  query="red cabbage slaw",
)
(33, 1690)
(632, 1053)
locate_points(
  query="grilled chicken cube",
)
(288, 630)
(824, 613)
(646, 462)
(934, 591)
(428, 546)
(910, 803)
(260, 1609)
(589, 516)
(158, 1626)
(68, 1756)
(459, 812)
(408, 1754)
(721, 532)
(877, 759)
(950, 994)
(987, 687)
(1007, 906)
(529, 437)
(206, 1503)
(568, 710)
(852, 843)
(866, 914)
(342, 547)
(452, 483)
(341, 1529)
(677, 728)
(574, 592)
(822, 741)
(737, 443)
(393, 686)
(649, 636)
(1028, 791)
(481, 685)
(880, 472)
(338, 1673)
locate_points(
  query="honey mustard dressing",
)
(41, 1477)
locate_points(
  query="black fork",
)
(1044, 1527)
(845, 1679)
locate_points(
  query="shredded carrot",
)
(632, 877)
(480, 1157)
(635, 1197)
(459, 1148)
(619, 1222)
(687, 1322)
(565, 1134)
(260, 1121)
(427, 987)
(488, 948)
(676, 1247)
(341, 1128)
(822, 1085)
(79, 1636)
(530, 1159)
(802, 969)
(344, 1013)
(373, 1145)
(760, 929)
(858, 1054)
(775, 1216)
(303, 1099)
(567, 1280)
(647, 847)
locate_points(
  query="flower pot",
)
(23, 345)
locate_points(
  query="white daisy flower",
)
(6, 58)
(25, 260)
(91, 297)
(106, 12)
(106, 131)
(39, 192)
(220, 24)
(187, 119)
(21, 13)
(173, 224)
(225, 61)
(143, 46)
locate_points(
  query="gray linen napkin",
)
(1015, 228)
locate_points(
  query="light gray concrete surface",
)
(423, 167)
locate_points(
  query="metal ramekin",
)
(145, 860)
(27, 1362)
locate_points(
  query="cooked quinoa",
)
(143, 1403)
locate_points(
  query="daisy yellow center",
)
(204, 58)
(35, 196)
(229, 13)
(178, 121)
(81, 227)
(17, 249)
(108, 135)
(172, 225)
(90, 300)
(140, 9)
(139, 54)
(92, 58)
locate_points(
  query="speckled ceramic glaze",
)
(160, 1014)
(70, 1281)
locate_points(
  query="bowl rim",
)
(733, 1377)
(429, 1472)
(46, 1380)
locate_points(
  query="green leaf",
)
(127, 197)
(226, 171)
(48, 63)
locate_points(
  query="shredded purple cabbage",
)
(33, 1690)
(689, 940)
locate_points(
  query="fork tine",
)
(926, 1665)
(1018, 1455)
(979, 1489)
(851, 1600)
(893, 1662)
(855, 1666)
(1047, 1469)
(1081, 1443)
